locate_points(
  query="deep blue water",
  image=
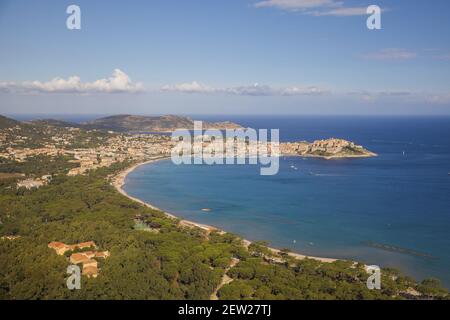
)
(327, 208)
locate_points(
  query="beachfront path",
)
(225, 279)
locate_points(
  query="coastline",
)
(118, 182)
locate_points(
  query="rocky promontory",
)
(328, 149)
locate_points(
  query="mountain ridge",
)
(125, 123)
(165, 123)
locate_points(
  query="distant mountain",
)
(7, 122)
(55, 123)
(124, 123)
(168, 123)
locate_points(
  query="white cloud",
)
(296, 4)
(119, 82)
(260, 90)
(391, 54)
(343, 12)
(376, 95)
(402, 96)
(442, 57)
(442, 99)
(251, 90)
(295, 91)
(192, 87)
(314, 7)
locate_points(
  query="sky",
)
(225, 57)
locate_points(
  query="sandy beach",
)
(119, 180)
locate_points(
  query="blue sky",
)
(219, 57)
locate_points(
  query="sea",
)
(392, 210)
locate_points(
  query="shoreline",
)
(118, 181)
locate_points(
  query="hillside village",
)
(111, 148)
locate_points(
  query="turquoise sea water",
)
(335, 208)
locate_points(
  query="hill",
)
(167, 123)
(55, 123)
(7, 122)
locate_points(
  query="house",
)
(89, 244)
(90, 263)
(30, 184)
(77, 258)
(90, 254)
(90, 271)
(62, 248)
(103, 254)
(87, 258)
(47, 178)
(59, 247)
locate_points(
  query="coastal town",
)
(113, 147)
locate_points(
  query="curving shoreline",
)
(118, 182)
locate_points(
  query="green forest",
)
(153, 256)
(173, 263)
